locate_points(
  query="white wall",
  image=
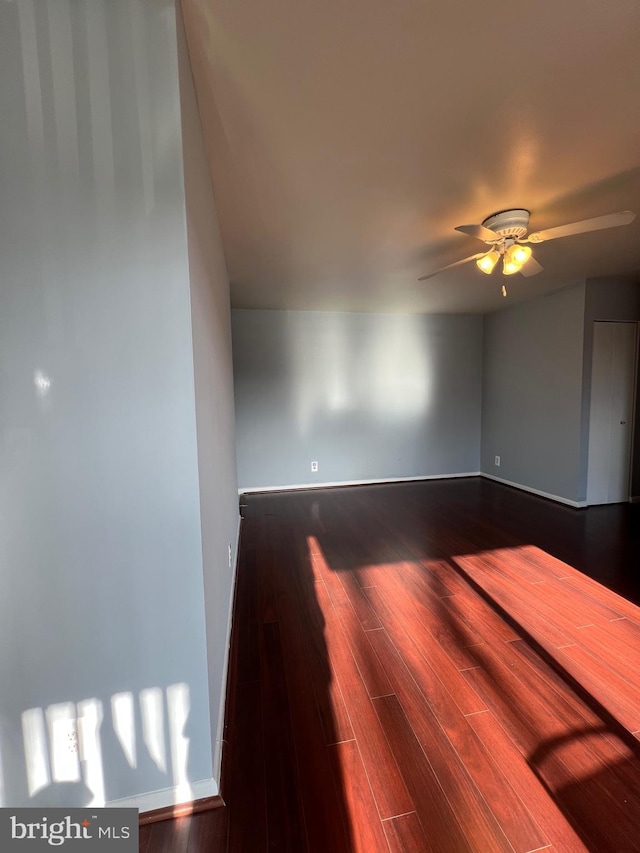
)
(102, 612)
(369, 396)
(532, 393)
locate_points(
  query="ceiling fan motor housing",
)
(509, 223)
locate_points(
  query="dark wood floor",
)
(429, 667)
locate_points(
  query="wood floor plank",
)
(170, 836)
(603, 602)
(548, 815)
(566, 608)
(596, 666)
(512, 565)
(285, 820)
(609, 643)
(585, 586)
(513, 816)
(591, 595)
(397, 591)
(618, 696)
(468, 606)
(505, 805)
(267, 537)
(457, 637)
(209, 832)
(359, 601)
(583, 715)
(445, 571)
(478, 823)
(389, 790)
(439, 584)
(296, 574)
(526, 682)
(406, 835)
(351, 590)
(320, 789)
(365, 830)
(243, 778)
(371, 671)
(444, 833)
(544, 731)
(429, 664)
(545, 621)
(144, 835)
(295, 585)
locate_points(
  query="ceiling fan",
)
(505, 232)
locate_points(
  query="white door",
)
(611, 418)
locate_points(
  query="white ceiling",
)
(347, 138)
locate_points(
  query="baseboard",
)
(183, 810)
(217, 755)
(328, 485)
(548, 495)
(168, 799)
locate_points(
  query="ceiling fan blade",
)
(479, 231)
(609, 220)
(455, 264)
(532, 267)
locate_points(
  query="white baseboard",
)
(217, 752)
(292, 486)
(167, 797)
(558, 498)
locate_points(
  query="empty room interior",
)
(320, 424)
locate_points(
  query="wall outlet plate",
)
(314, 467)
(497, 461)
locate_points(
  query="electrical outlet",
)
(229, 549)
(72, 740)
(65, 734)
(64, 743)
(314, 467)
(497, 461)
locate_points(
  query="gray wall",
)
(608, 299)
(102, 612)
(213, 368)
(368, 396)
(532, 393)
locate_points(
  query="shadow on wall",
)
(368, 396)
(58, 753)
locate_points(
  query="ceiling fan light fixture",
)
(520, 254)
(487, 262)
(505, 233)
(515, 257)
(510, 267)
